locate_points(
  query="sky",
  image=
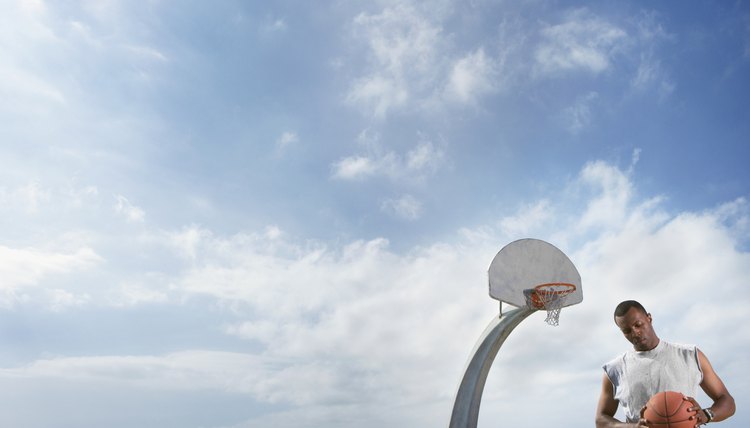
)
(250, 214)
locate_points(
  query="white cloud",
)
(273, 25)
(614, 193)
(400, 38)
(149, 53)
(286, 139)
(354, 328)
(186, 370)
(734, 215)
(634, 158)
(28, 90)
(423, 160)
(651, 76)
(52, 60)
(78, 195)
(412, 64)
(471, 77)
(648, 71)
(132, 294)
(198, 370)
(273, 232)
(348, 294)
(379, 93)
(406, 207)
(27, 267)
(188, 241)
(62, 299)
(528, 218)
(577, 117)
(27, 198)
(424, 157)
(403, 44)
(582, 42)
(37, 199)
(415, 64)
(22, 86)
(131, 212)
(263, 331)
(354, 167)
(342, 329)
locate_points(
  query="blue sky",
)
(252, 214)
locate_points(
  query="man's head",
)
(636, 325)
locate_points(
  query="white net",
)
(551, 297)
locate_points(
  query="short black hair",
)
(625, 306)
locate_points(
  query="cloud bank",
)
(341, 332)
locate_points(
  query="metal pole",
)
(469, 395)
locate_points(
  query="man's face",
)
(637, 328)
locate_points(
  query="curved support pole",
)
(469, 395)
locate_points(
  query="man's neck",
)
(658, 341)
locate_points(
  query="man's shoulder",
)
(616, 362)
(683, 347)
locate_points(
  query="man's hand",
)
(642, 422)
(699, 416)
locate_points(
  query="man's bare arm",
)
(607, 407)
(723, 406)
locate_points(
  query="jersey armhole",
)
(698, 363)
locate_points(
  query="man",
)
(654, 366)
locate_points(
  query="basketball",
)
(669, 409)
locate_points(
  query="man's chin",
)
(643, 346)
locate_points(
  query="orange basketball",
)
(669, 409)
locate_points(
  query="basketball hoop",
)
(550, 297)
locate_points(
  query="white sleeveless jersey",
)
(637, 376)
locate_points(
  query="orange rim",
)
(550, 289)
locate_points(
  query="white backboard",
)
(522, 265)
